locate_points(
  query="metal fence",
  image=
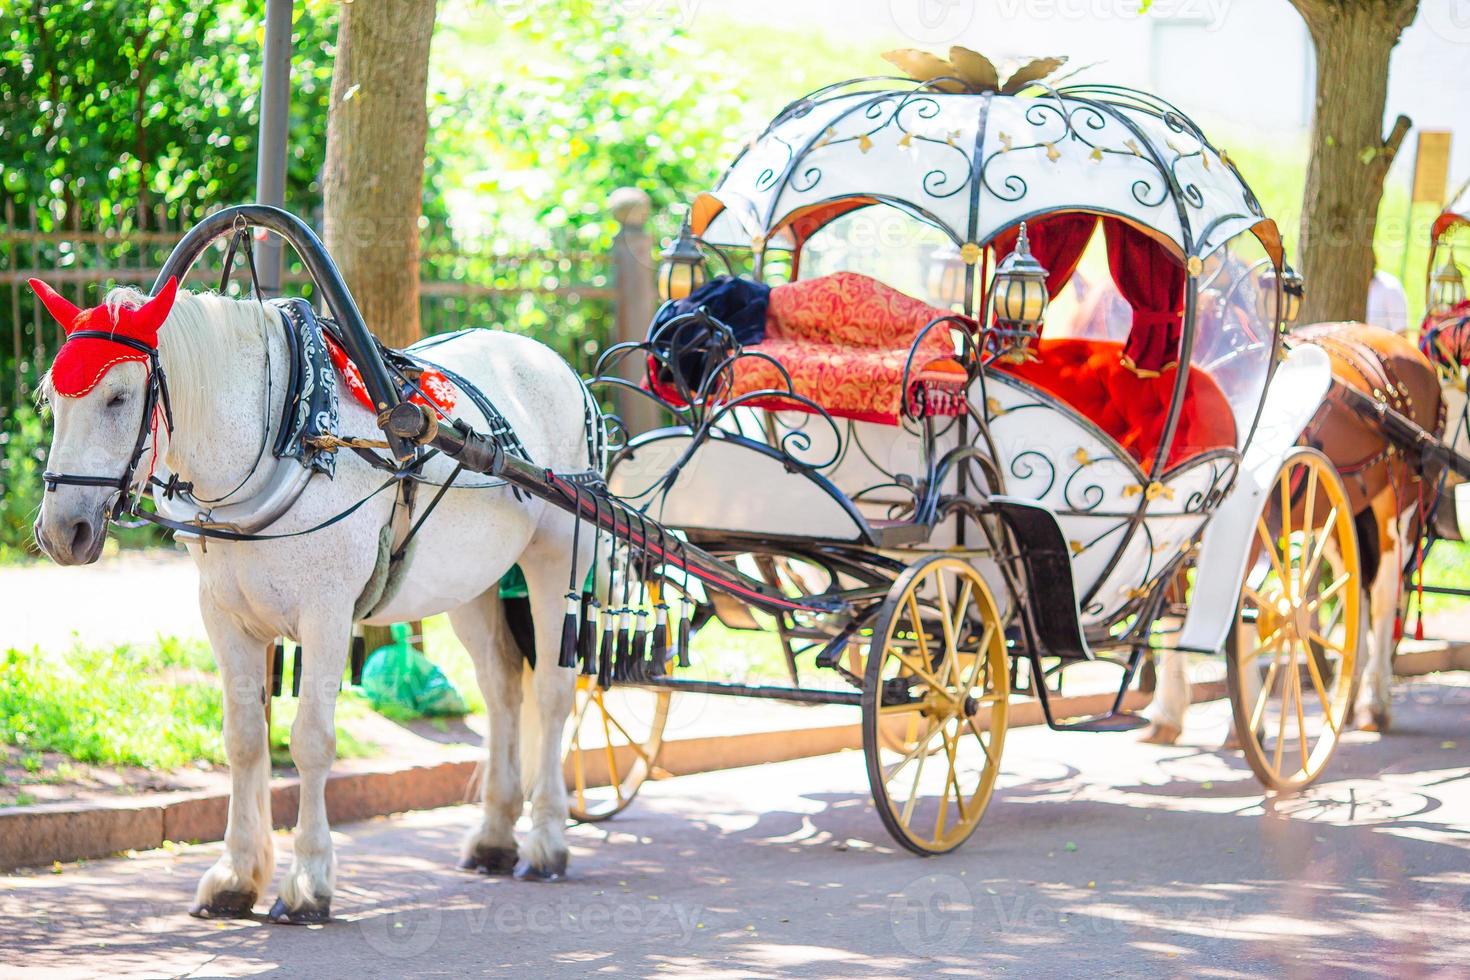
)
(565, 299)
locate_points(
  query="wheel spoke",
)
(1301, 720)
(1285, 546)
(1281, 720)
(612, 757)
(1323, 641)
(632, 742)
(1265, 535)
(1322, 693)
(1310, 506)
(1260, 707)
(985, 746)
(1329, 592)
(1316, 559)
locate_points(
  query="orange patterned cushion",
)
(844, 339)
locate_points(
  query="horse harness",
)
(307, 433)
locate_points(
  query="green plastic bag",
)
(403, 680)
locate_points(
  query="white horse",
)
(217, 353)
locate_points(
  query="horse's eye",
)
(117, 400)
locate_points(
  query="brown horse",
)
(1389, 494)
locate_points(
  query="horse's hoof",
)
(1369, 720)
(310, 916)
(1160, 733)
(490, 861)
(226, 905)
(555, 871)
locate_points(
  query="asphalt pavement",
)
(1099, 856)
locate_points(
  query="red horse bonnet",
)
(83, 360)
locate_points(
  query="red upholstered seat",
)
(1088, 374)
(844, 339)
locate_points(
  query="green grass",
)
(152, 705)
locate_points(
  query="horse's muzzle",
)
(72, 541)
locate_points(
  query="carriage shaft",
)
(416, 424)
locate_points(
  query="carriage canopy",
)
(975, 165)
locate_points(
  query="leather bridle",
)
(156, 394)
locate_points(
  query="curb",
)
(39, 835)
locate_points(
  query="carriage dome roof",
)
(974, 158)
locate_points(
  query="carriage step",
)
(1118, 721)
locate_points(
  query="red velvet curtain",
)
(1057, 241)
(1152, 282)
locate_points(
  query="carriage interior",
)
(1108, 350)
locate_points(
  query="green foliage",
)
(22, 459)
(120, 103)
(118, 706)
(584, 98)
(154, 705)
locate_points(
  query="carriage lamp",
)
(681, 266)
(1019, 288)
(947, 277)
(1293, 288)
(1446, 285)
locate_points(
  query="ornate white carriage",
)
(1071, 447)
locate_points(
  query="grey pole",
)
(275, 105)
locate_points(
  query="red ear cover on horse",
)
(83, 360)
(60, 307)
(150, 316)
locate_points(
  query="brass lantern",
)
(1293, 288)
(947, 277)
(1020, 298)
(681, 267)
(1446, 286)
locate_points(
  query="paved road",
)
(1100, 855)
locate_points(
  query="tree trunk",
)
(372, 185)
(373, 182)
(1349, 154)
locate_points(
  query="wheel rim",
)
(935, 705)
(1294, 665)
(612, 746)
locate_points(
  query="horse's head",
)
(107, 398)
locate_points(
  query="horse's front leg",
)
(231, 887)
(306, 893)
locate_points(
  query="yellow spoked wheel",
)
(935, 704)
(612, 746)
(1293, 665)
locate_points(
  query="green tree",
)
(1350, 156)
(116, 105)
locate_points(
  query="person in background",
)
(1388, 307)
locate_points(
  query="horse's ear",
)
(150, 315)
(60, 307)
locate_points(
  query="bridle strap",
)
(156, 394)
